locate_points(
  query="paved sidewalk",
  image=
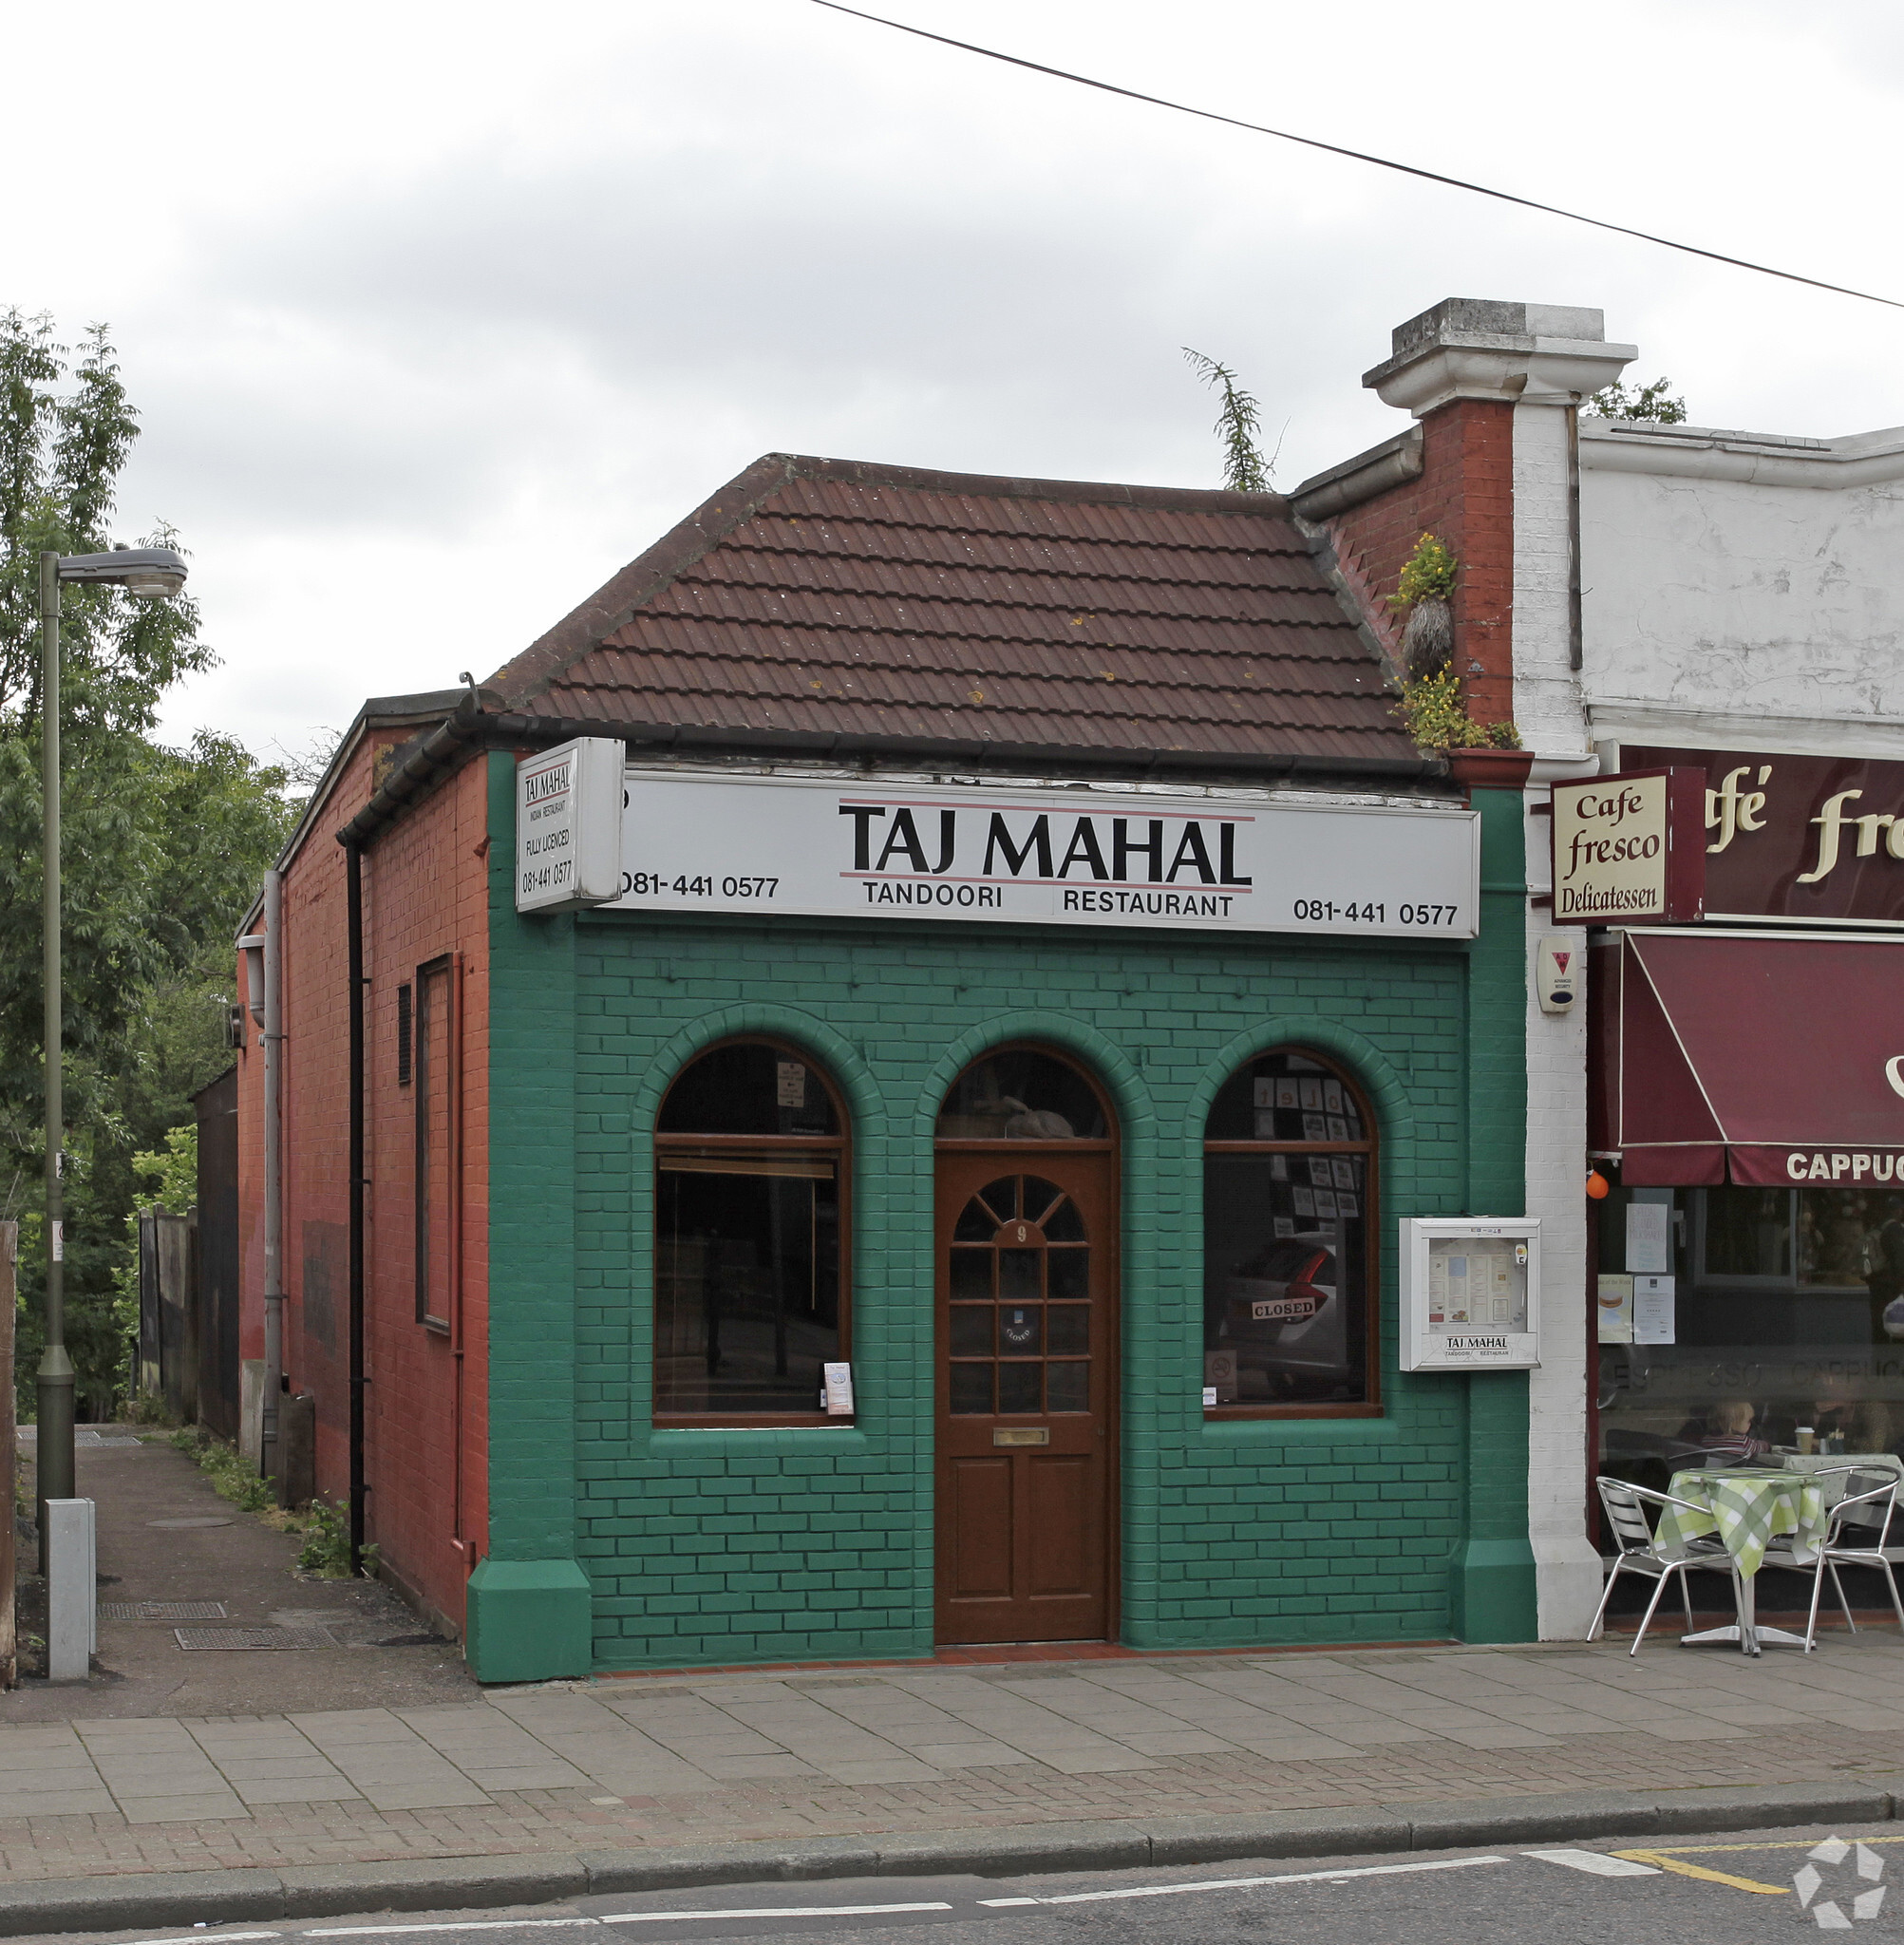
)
(165, 1536)
(658, 1761)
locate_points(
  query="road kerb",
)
(214, 1897)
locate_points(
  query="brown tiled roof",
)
(826, 596)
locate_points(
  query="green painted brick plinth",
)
(529, 1620)
(1493, 1590)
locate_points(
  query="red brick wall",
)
(425, 1404)
(1464, 496)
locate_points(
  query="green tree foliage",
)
(168, 1179)
(161, 848)
(1654, 401)
(1238, 426)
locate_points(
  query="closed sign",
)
(1283, 1310)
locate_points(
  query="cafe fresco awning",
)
(1729, 1056)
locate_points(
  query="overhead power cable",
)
(1356, 155)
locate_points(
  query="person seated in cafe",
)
(1856, 1424)
(1836, 1414)
(1728, 1431)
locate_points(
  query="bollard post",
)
(72, 1590)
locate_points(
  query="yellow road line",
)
(1661, 1861)
(1700, 1850)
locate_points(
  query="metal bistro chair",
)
(1625, 1507)
(1854, 1536)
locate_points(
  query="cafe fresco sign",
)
(1627, 848)
(749, 845)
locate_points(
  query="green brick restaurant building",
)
(924, 1166)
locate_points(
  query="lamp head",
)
(152, 574)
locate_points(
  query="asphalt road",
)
(1718, 1890)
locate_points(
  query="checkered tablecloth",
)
(1747, 1509)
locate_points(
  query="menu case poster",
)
(1797, 838)
(1476, 1283)
(1470, 1291)
(1615, 1309)
(1629, 848)
(1653, 1311)
(1649, 1235)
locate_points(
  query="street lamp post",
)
(152, 574)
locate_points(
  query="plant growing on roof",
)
(1425, 588)
(1245, 470)
(1437, 718)
(1432, 704)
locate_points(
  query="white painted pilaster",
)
(1549, 712)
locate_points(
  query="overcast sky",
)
(438, 315)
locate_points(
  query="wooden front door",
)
(1026, 1304)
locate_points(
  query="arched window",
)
(750, 1226)
(1290, 1185)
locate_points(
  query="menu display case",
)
(1470, 1292)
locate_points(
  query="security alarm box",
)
(1560, 963)
(1470, 1292)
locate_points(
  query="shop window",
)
(432, 1047)
(750, 1162)
(1022, 1095)
(1290, 1185)
(1743, 1323)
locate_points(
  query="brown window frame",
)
(445, 967)
(1370, 1149)
(762, 1147)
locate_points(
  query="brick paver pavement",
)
(698, 1757)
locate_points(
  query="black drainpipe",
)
(353, 920)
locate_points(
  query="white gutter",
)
(1757, 459)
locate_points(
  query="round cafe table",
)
(1748, 1507)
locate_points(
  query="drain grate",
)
(252, 1637)
(162, 1610)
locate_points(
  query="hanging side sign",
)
(1630, 849)
(568, 826)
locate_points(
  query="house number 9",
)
(1021, 1232)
